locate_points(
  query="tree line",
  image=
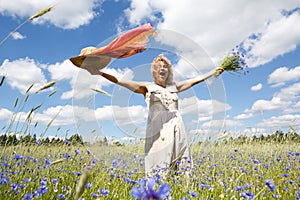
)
(13, 140)
(277, 137)
(76, 139)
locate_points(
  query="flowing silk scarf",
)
(132, 42)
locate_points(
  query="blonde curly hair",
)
(167, 62)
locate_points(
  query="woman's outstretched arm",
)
(184, 85)
(136, 87)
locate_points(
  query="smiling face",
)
(162, 71)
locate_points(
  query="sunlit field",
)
(256, 170)
(35, 167)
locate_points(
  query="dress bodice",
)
(162, 98)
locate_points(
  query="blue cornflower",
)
(61, 196)
(48, 161)
(270, 185)
(78, 173)
(94, 160)
(247, 195)
(128, 180)
(88, 185)
(94, 195)
(67, 156)
(43, 188)
(26, 180)
(67, 142)
(77, 152)
(4, 180)
(239, 188)
(204, 186)
(146, 190)
(28, 196)
(256, 161)
(277, 196)
(193, 193)
(14, 186)
(5, 164)
(248, 186)
(115, 163)
(285, 175)
(243, 170)
(88, 152)
(18, 157)
(278, 159)
(54, 181)
(21, 186)
(266, 166)
(104, 192)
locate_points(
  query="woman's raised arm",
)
(134, 86)
(184, 85)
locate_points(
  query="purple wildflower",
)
(18, 157)
(193, 193)
(104, 192)
(270, 185)
(61, 196)
(94, 195)
(28, 196)
(77, 152)
(239, 188)
(247, 195)
(48, 161)
(54, 181)
(147, 191)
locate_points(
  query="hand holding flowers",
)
(233, 61)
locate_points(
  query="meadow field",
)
(256, 170)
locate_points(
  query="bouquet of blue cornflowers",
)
(234, 62)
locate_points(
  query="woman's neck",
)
(161, 84)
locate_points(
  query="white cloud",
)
(67, 14)
(275, 103)
(282, 100)
(82, 81)
(289, 93)
(220, 123)
(122, 115)
(204, 108)
(257, 87)
(234, 21)
(281, 121)
(244, 116)
(282, 75)
(70, 114)
(5, 114)
(271, 44)
(20, 74)
(18, 36)
(138, 11)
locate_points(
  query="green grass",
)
(217, 173)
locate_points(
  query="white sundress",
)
(166, 140)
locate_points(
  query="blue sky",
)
(194, 35)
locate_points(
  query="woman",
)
(166, 140)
